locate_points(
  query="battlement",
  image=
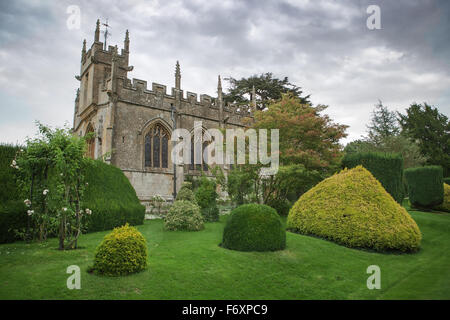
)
(137, 89)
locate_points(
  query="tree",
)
(384, 136)
(383, 124)
(392, 144)
(50, 173)
(360, 145)
(431, 130)
(267, 89)
(306, 136)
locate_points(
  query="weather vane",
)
(106, 32)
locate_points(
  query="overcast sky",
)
(324, 47)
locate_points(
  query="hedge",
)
(387, 168)
(254, 227)
(12, 209)
(111, 197)
(425, 186)
(353, 209)
(447, 180)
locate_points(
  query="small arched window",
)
(156, 147)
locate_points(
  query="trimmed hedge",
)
(353, 209)
(425, 186)
(12, 209)
(184, 215)
(254, 227)
(387, 168)
(123, 251)
(111, 197)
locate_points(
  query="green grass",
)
(191, 265)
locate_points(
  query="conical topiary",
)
(352, 208)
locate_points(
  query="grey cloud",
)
(322, 46)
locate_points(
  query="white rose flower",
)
(27, 202)
(30, 212)
(64, 209)
(45, 192)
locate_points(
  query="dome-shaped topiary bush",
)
(352, 208)
(254, 227)
(122, 251)
(184, 215)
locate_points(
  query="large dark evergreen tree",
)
(267, 90)
(431, 129)
(383, 124)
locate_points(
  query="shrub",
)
(185, 194)
(280, 205)
(184, 215)
(12, 209)
(352, 208)
(387, 168)
(111, 197)
(425, 186)
(122, 251)
(445, 206)
(254, 227)
(447, 180)
(206, 197)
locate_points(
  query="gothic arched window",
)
(156, 154)
(200, 152)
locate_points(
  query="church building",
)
(132, 124)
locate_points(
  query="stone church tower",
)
(132, 124)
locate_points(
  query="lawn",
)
(191, 265)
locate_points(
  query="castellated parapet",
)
(126, 114)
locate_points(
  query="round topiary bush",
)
(352, 208)
(123, 251)
(254, 227)
(184, 215)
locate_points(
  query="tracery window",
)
(200, 152)
(156, 142)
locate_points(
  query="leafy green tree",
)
(384, 136)
(267, 89)
(360, 145)
(307, 136)
(431, 130)
(50, 173)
